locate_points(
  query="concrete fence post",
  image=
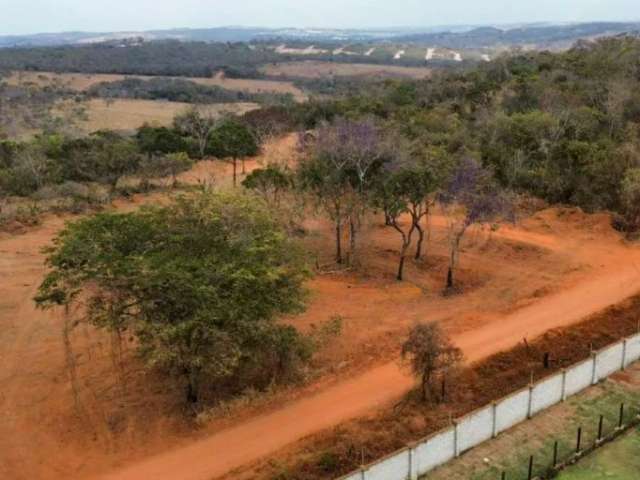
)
(363, 473)
(594, 370)
(456, 446)
(494, 428)
(530, 402)
(563, 397)
(413, 462)
(624, 354)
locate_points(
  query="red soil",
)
(551, 270)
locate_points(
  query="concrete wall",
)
(632, 352)
(578, 378)
(512, 410)
(435, 451)
(489, 421)
(395, 466)
(475, 428)
(608, 361)
(546, 393)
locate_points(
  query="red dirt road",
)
(240, 445)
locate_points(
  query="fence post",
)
(624, 354)
(555, 454)
(530, 404)
(621, 419)
(594, 372)
(564, 384)
(413, 462)
(363, 473)
(530, 476)
(578, 440)
(600, 423)
(494, 430)
(456, 448)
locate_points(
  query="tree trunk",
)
(424, 388)
(420, 241)
(455, 247)
(235, 169)
(388, 221)
(192, 387)
(338, 242)
(403, 256)
(450, 277)
(352, 242)
(244, 169)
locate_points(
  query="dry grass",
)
(130, 114)
(317, 69)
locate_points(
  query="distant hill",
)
(543, 35)
(536, 35)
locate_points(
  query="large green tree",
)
(231, 140)
(199, 283)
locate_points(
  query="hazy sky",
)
(31, 16)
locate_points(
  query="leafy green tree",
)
(270, 183)
(406, 189)
(169, 165)
(199, 283)
(103, 157)
(159, 140)
(232, 140)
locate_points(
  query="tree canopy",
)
(199, 283)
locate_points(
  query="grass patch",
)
(617, 461)
(583, 411)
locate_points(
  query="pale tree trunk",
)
(352, 241)
(406, 243)
(455, 248)
(339, 241)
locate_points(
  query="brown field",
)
(550, 270)
(128, 114)
(81, 82)
(317, 69)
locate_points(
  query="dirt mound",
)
(571, 219)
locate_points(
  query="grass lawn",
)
(619, 460)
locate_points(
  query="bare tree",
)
(430, 353)
(198, 122)
(339, 168)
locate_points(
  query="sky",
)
(35, 16)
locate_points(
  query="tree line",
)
(563, 127)
(180, 90)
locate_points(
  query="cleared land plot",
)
(81, 82)
(510, 452)
(316, 69)
(128, 114)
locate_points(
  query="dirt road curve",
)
(249, 441)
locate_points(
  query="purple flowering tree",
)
(338, 167)
(471, 197)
